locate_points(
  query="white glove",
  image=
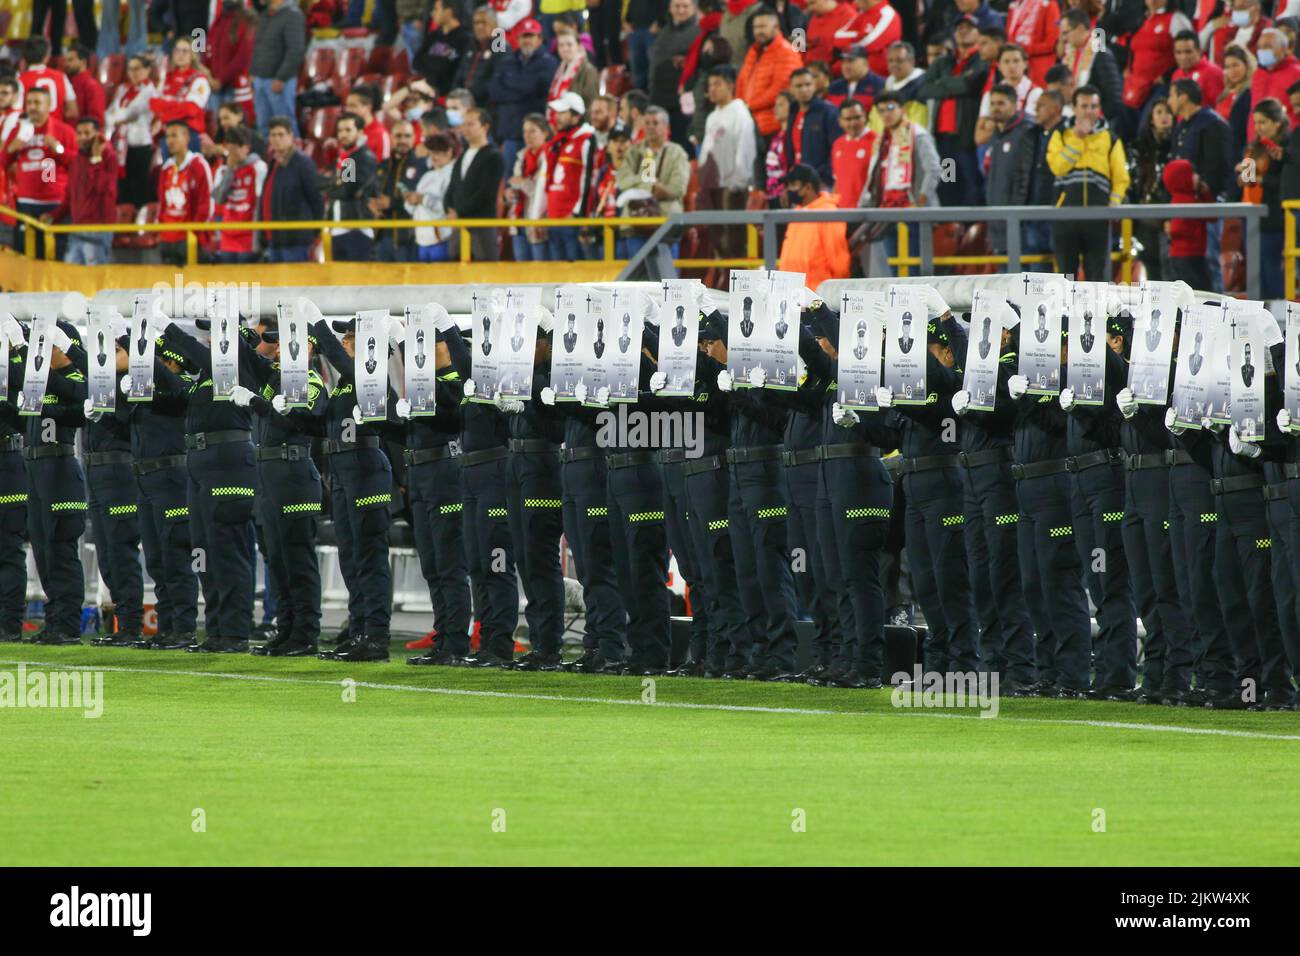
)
(469, 388)
(119, 325)
(13, 330)
(88, 408)
(1067, 398)
(1185, 293)
(1211, 425)
(1017, 385)
(125, 384)
(960, 401)
(307, 310)
(580, 391)
(442, 321)
(602, 395)
(658, 382)
(757, 376)
(725, 381)
(548, 395)
(1171, 421)
(844, 417)
(1128, 405)
(396, 330)
(280, 404)
(508, 406)
(243, 397)
(59, 339)
(1239, 447)
(935, 305)
(402, 408)
(158, 321)
(885, 396)
(356, 415)
(1284, 419)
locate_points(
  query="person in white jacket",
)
(128, 123)
(727, 155)
(426, 201)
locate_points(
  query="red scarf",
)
(708, 23)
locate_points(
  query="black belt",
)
(1291, 469)
(893, 465)
(147, 465)
(700, 465)
(804, 456)
(1224, 486)
(671, 456)
(1078, 463)
(530, 446)
(583, 453)
(224, 437)
(11, 443)
(743, 456)
(49, 451)
(482, 455)
(333, 447)
(1038, 469)
(1176, 456)
(848, 450)
(973, 459)
(927, 463)
(421, 456)
(1275, 492)
(1153, 459)
(107, 458)
(629, 458)
(288, 452)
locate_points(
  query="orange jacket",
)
(765, 74)
(817, 249)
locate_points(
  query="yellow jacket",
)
(1090, 170)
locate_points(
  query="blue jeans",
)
(639, 45)
(562, 243)
(1213, 245)
(435, 252)
(110, 32)
(1270, 264)
(288, 253)
(89, 249)
(412, 34)
(509, 150)
(269, 103)
(356, 13)
(526, 251)
(386, 250)
(1035, 238)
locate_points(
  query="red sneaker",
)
(423, 643)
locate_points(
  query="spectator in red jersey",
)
(130, 127)
(184, 190)
(1033, 25)
(825, 19)
(875, 27)
(1151, 56)
(36, 54)
(1187, 237)
(348, 189)
(851, 154)
(1193, 65)
(364, 102)
(229, 52)
(526, 192)
(238, 189)
(185, 93)
(766, 73)
(10, 110)
(87, 90)
(38, 154)
(91, 196)
(566, 158)
(857, 82)
(1278, 69)
(1240, 26)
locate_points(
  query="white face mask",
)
(1240, 18)
(454, 117)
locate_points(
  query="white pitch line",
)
(674, 705)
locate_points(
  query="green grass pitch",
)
(453, 766)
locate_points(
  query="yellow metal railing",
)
(1289, 251)
(609, 228)
(1125, 256)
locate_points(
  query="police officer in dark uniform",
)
(56, 503)
(113, 500)
(361, 493)
(856, 493)
(1095, 462)
(221, 492)
(1050, 572)
(157, 431)
(683, 547)
(13, 492)
(434, 479)
(534, 502)
(992, 520)
(289, 490)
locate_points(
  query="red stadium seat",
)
(371, 79)
(125, 214)
(321, 64)
(329, 153)
(975, 242)
(401, 61)
(322, 122)
(145, 240)
(392, 83)
(352, 63)
(615, 80)
(112, 70)
(380, 59)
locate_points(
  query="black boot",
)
(364, 650)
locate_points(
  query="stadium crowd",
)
(566, 109)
